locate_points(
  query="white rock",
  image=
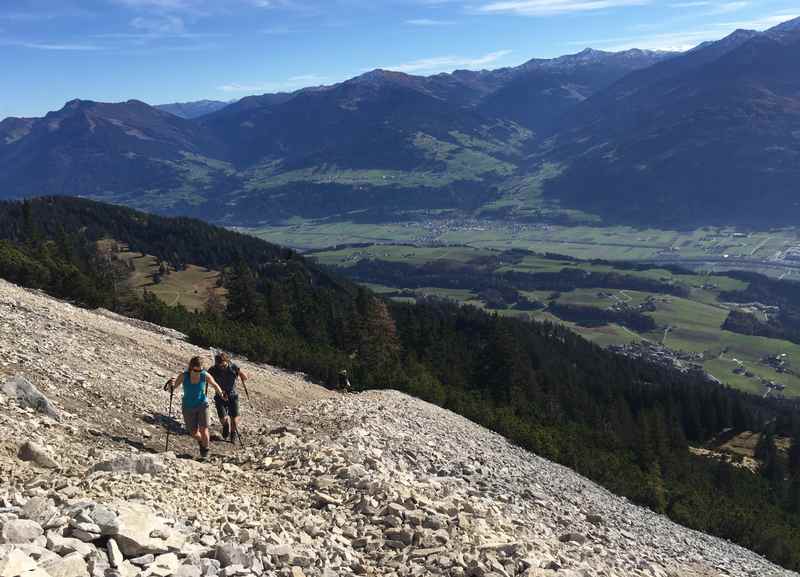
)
(115, 557)
(73, 565)
(19, 531)
(136, 525)
(16, 562)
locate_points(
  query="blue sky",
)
(176, 50)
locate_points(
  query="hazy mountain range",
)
(193, 109)
(707, 136)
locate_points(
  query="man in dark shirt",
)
(225, 373)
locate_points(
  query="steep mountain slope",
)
(381, 142)
(541, 385)
(12, 129)
(366, 122)
(707, 137)
(193, 109)
(387, 142)
(376, 483)
(121, 151)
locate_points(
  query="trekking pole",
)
(241, 440)
(246, 392)
(171, 394)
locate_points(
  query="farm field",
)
(708, 249)
(403, 253)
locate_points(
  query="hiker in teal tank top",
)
(195, 381)
(194, 394)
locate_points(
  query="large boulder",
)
(137, 525)
(66, 545)
(73, 565)
(15, 562)
(105, 519)
(137, 464)
(31, 452)
(28, 396)
(21, 531)
(39, 509)
(35, 551)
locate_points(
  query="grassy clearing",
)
(189, 287)
(392, 253)
(457, 295)
(470, 160)
(266, 177)
(379, 288)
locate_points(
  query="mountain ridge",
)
(193, 109)
(712, 124)
(378, 143)
(634, 137)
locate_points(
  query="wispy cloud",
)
(64, 47)
(161, 25)
(169, 5)
(428, 22)
(683, 40)
(732, 6)
(27, 16)
(448, 63)
(277, 31)
(162, 4)
(672, 41)
(291, 4)
(552, 7)
(288, 85)
(760, 23)
(717, 8)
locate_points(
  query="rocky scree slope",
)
(371, 484)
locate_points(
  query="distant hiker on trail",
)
(225, 372)
(195, 381)
(344, 385)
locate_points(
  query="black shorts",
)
(227, 408)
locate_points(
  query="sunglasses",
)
(197, 370)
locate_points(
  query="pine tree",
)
(244, 302)
(655, 493)
(378, 345)
(214, 303)
(794, 496)
(31, 234)
(771, 467)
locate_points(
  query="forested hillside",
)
(624, 423)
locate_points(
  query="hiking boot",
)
(225, 430)
(203, 453)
